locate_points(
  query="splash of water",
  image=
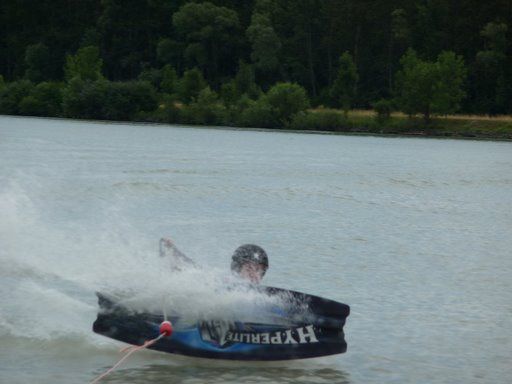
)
(51, 272)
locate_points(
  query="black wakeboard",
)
(315, 329)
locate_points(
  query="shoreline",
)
(356, 131)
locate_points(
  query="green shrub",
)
(228, 93)
(84, 99)
(30, 106)
(287, 99)
(12, 95)
(45, 99)
(383, 108)
(170, 112)
(258, 114)
(324, 99)
(169, 79)
(206, 110)
(235, 109)
(50, 95)
(108, 100)
(124, 100)
(319, 121)
(152, 76)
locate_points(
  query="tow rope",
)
(165, 331)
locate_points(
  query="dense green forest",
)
(258, 62)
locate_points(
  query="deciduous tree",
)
(190, 85)
(265, 46)
(490, 74)
(211, 33)
(86, 64)
(38, 65)
(344, 88)
(430, 87)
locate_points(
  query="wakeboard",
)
(315, 329)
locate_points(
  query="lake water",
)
(414, 234)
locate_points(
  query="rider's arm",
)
(179, 259)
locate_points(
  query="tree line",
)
(261, 62)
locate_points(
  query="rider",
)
(249, 261)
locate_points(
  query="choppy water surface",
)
(414, 234)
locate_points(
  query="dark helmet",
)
(249, 253)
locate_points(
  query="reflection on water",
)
(200, 374)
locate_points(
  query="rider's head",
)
(250, 262)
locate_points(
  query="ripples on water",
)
(256, 375)
(414, 234)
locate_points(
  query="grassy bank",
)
(463, 126)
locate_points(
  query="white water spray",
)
(51, 271)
